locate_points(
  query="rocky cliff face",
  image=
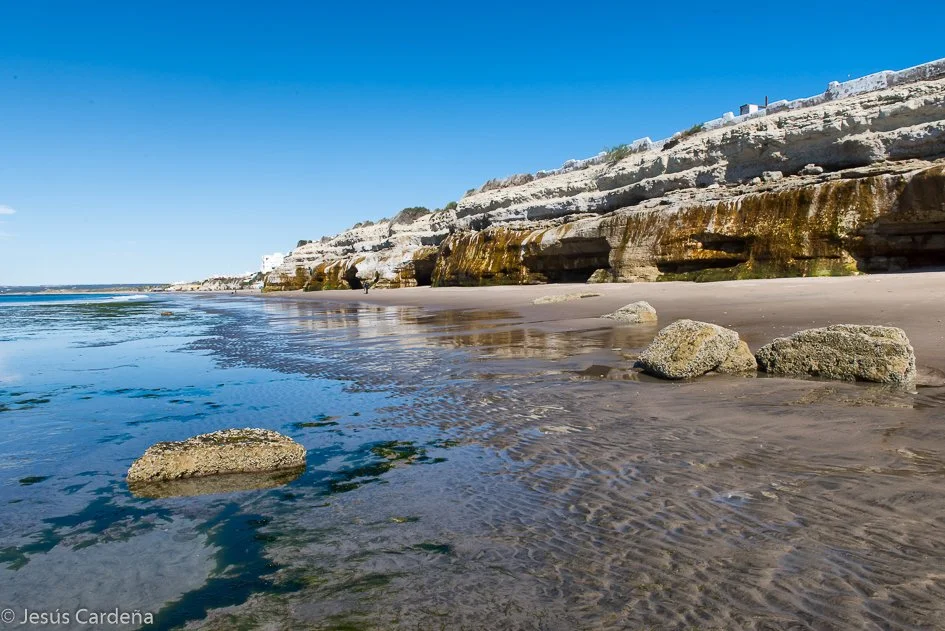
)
(841, 183)
(221, 283)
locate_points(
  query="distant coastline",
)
(82, 289)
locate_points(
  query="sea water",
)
(465, 470)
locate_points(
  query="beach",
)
(477, 461)
(759, 310)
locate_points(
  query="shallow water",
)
(465, 471)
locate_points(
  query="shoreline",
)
(760, 310)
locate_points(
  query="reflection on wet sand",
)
(496, 333)
(581, 495)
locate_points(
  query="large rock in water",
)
(640, 312)
(687, 348)
(847, 352)
(224, 452)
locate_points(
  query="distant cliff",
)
(852, 180)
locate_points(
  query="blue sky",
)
(151, 142)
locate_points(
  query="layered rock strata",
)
(850, 181)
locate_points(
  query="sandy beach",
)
(759, 310)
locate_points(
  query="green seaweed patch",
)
(399, 450)
(435, 548)
(33, 479)
(14, 558)
(84, 544)
(114, 310)
(348, 621)
(242, 570)
(100, 518)
(117, 439)
(388, 455)
(32, 402)
(366, 582)
(444, 443)
(321, 420)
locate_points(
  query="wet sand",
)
(622, 501)
(759, 310)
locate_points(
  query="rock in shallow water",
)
(687, 348)
(224, 452)
(640, 312)
(846, 352)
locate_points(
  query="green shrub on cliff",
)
(688, 133)
(410, 215)
(617, 153)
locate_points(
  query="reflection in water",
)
(214, 484)
(621, 502)
(468, 470)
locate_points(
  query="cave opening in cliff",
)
(688, 267)
(571, 260)
(351, 276)
(423, 271)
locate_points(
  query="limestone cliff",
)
(220, 283)
(849, 181)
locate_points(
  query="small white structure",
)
(271, 262)
(748, 108)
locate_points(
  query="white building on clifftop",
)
(271, 262)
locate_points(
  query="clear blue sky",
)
(162, 141)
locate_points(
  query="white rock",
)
(640, 312)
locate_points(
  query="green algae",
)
(33, 479)
(435, 548)
(30, 403)
(101, 520)
(375, 460)
(321, 420)
(243, 569)
(397, 450)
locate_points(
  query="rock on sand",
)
(640, 312)
(687, 348)
(739, 361)
(550, 300)
(846, 352)
(226, 451)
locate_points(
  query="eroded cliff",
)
(841, 183)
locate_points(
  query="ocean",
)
(464, 471)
